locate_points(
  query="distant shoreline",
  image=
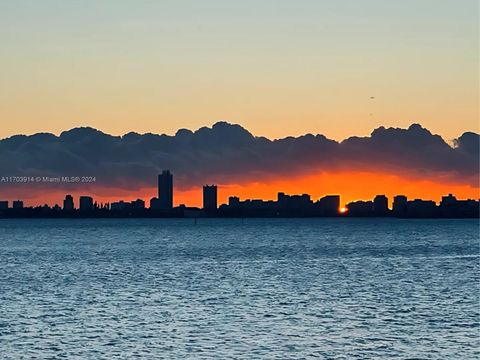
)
(79, 216)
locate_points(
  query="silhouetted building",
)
(210, 197)
(234, 201)
(68, 204)
(422, 209)
(400, 205)
(448, 200)
(467, 209)
(329, 205)
(17, 205)
(360, 208)
(3, 205)
(293, 202)
(248, 208)
(165, 190)
(154, 203)
(138, 204)
(453, 208)
(119, 206)
(86, 203)
(380, 205)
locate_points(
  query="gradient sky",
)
(277, 67)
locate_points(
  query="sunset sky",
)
(277, 67)
(351, 185)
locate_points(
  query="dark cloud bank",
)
(228, 153)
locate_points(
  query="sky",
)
(277, 67)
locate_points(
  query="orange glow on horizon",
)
(351, 186)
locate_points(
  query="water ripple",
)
(227, 289)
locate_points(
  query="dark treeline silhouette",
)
(284, 206)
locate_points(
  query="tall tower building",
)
(86, 203)
(17, 204)
(68, 204)
(400, 205)
(380, 205)
(165, 190)
(3, 205)
(210, 197)
(329, 205)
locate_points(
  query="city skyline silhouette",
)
(286, 205)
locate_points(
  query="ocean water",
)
(240, 289)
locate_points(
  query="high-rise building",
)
(119, 206)
(68, 204)
(165, 190)
(233, 201)
(360, 208)
(3, 205)
(422, 208)
(210, 197)
(448, 200)
(329, 205)
(400, 205)
(86, 203)
(380, 205)
(154, 203)
(17, 204)
(138, 204)
(293, 202)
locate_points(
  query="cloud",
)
(229, 154)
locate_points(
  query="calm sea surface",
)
(233, 289)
